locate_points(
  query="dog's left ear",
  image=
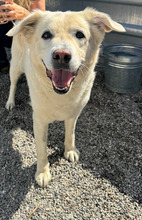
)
(102, 21)
(27, 25)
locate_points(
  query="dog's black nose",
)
(62, 56)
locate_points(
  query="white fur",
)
(28, 51)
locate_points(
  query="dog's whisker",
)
(84, 66)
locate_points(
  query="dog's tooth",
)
(68, 84)
(61, 88)
(54, 84)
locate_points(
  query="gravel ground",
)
(106, 183)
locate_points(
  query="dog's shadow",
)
(15, 180)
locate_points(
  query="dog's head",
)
(65, 42)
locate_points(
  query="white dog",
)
(58, 52)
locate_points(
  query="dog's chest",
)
(58, 107)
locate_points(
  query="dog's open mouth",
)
(61, 79)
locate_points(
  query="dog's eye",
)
(47, 35)
(79, 35)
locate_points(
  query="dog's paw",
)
(43, 178)
(10, 105)
(72, 155)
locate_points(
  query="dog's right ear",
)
(27, 25)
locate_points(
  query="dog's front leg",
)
(42, 175)
(14, 76)
(71, 153)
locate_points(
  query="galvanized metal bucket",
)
(123, 67)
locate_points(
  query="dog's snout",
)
(62, 56)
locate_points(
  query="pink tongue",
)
(62, 78)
